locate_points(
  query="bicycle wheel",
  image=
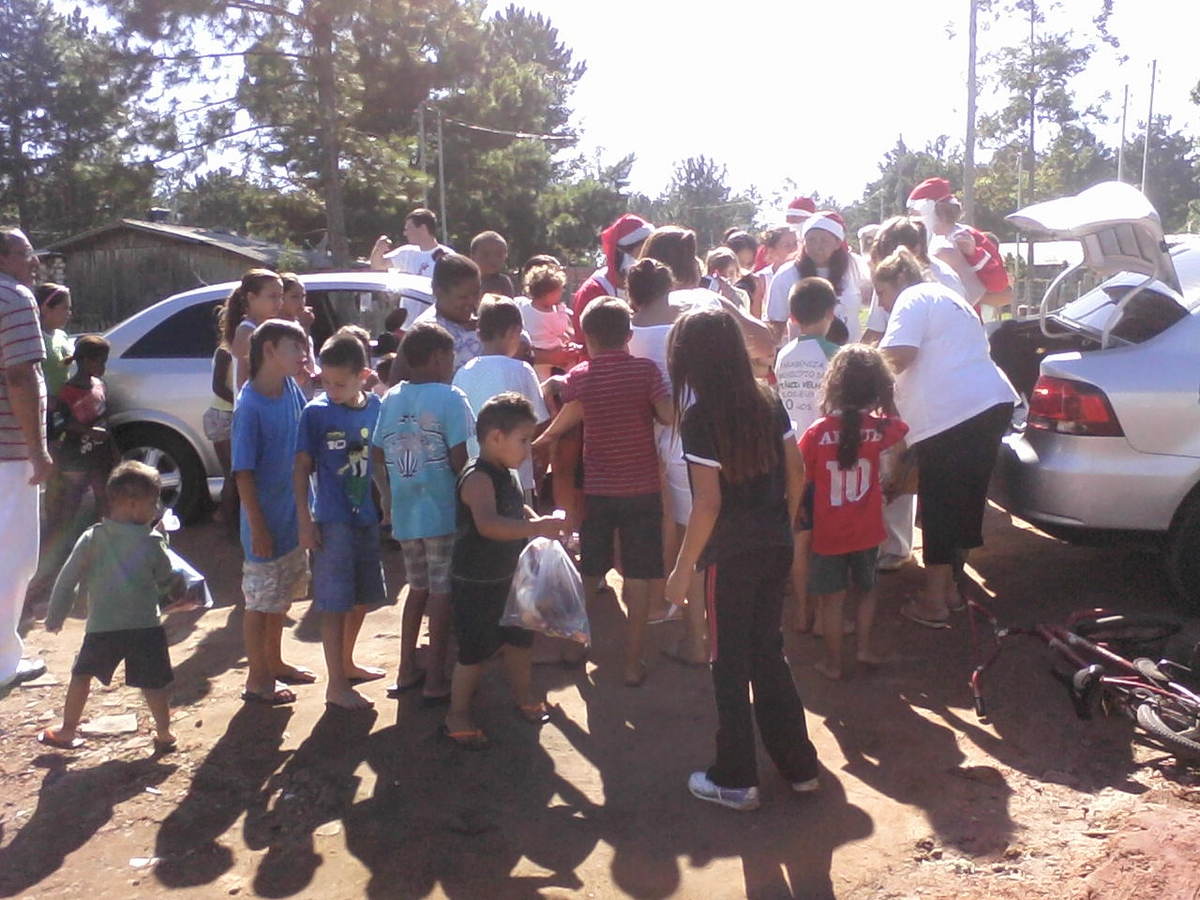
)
(1140, 635)
(1177, 729)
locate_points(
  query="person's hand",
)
(261, 544)
(43, 467)
(549, 526)
(310, 536)
(965, 244)
(540, 450)
(677, 587)
(383, 244)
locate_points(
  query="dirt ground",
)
(918, 797)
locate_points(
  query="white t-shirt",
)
(466, 340)
(484, 377)
(877, 316)
(953, 377)
(547, 330)
(412, 260)
(849, 298)
(799, 369)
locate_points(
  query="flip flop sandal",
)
(673, 614)
(936, 624)
(47, 738)
(302, 676)
(162, 747)
(430, 701)
(397, 689)
(281, 697)
(535, 714)
(472, 739)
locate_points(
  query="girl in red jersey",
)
(841, 459)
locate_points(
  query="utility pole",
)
(1121, 148)
(442, 178)
(969, 156)
(1032, 145)
(421, 153)
(1149, 125)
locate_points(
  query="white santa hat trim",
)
(638, 234)
(825, 223)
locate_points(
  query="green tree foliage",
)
(699, 198)
(901, 169)
(74, 117)
(1173, 176)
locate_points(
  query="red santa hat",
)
(625, 232)
(827, 220)
(799, 210)
(935, 189)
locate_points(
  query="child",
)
(259, 297)
(548, 320)
(841, 456)
(295, 308)
(86, 452)
(121, 565)
(617, 398)
(934, 202)
(54, 311)
(456, 295)
(342, 530)
(489, 250)
(422, 440)
(493, 525)
(799, 369)
(218, 420)
(746, 487)
(266, 423)
(497, 372)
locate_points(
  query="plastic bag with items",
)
(547, 593)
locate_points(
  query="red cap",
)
(934, 189)
(800, 208)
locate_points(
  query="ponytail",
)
(237, 304)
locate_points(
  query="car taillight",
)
(1071, 407)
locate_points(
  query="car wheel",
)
(184, 486)
(1183, 553)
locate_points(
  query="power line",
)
(470, 126)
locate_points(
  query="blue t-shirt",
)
(418, 425)
(338, 438)
(264, 442)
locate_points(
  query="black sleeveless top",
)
(475, 557)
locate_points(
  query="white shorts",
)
(677, 490)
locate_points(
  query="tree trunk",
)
(20, 174)
(327, 116)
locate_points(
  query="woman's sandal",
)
(535, 713)
(281, 697)
(470, 739)
(400, 687)
(908, 611)
(48, 738)
(164, 747)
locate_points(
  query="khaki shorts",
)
(427, 563)
(270, 587)
(218, 424)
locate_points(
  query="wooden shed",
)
(118, 269)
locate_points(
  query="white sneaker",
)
(890, 562)
(743, 799)
(806, 787)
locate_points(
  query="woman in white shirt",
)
(823, 253)
(957, 404)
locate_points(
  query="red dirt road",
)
(918, 797)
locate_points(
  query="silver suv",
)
(1109, 440)
(159, 375)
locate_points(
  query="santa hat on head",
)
(625, 232)
(827, 220)
(799, 210)
(934, 189)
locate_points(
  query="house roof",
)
(259, 251)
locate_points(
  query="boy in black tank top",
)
(493, 525)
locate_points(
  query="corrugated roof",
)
(254, 249)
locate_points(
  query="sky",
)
(818, 92)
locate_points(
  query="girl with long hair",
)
(841, 454)
(825, 254)
(259, 297)
(747, 479)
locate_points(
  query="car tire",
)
(184, 484)
(1183, 553)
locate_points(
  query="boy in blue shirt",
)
(266, 420)
(421, 438)
(342, 531)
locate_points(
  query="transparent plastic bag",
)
(547, 594)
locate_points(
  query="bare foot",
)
(832, 672)
(295, 675)
(346, 698)
(867, 658)
(165, 742)
(364, 673)
(635, 674)
(456, 724)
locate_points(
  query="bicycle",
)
(1098, 677)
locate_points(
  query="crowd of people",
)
(726, 433)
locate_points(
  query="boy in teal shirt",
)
(122, 566)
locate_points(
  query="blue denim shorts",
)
(346, 568)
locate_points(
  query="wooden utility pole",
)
(969, 155)
(1121, 149)
(442, 178)
(1149, 125)
(1032, 144)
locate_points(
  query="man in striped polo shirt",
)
(24, 460)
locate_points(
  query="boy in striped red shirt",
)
(617, 397)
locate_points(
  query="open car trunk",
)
(1019, 346)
